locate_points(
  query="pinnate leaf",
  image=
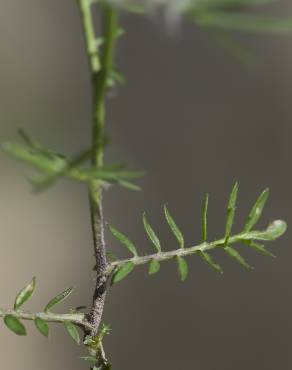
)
(124, 240)
(182, 268)
(235, 255)
(173, 226)
(59, 298)
(25, 294)
(72, 331)
(151, 234)
(42, 326)
(14, 325)
(204, 219)
(209, 260)
(256, 211)
(231, 211)
(122, 271)
(154, 267)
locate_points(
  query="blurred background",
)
(196, 120)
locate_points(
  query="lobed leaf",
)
(151, 234)
(173, 226)
(14, 325)
(204, 218)
(235, 255)
(25, 294)
(231, 211)
(182, 268)
(122, 271)
(124, 240)
(154, 267)
(72, 331)
(256, 211)
(42, 326)
(58, 299)
(209, 260)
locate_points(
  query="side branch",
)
(75, 318)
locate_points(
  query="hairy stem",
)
(100, 70)
(76, 318)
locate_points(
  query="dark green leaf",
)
(176, 231)
(14, 325)
(154, 267)
(122, 271)
(204, 222)
(209, 260)
(25, 294)
(235, 255)
(151, 234)
(256, 211)
(59, 298)
(124, 240)
(42, 326)
(72, 331)
(231, 212)
(182, 267)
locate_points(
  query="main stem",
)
(100, 69)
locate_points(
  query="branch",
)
(75, 318)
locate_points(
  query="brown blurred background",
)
(196, 120)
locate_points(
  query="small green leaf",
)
(182, 268)
(231, 212)
(275, 230)
(256, 211)
(129, 185)
(151, 234)
(25, 294)
(72, 331)
(124, 240)
(176, 231)
(122, 271)
(154, 267)
(209, 260)
(59, 298)
(42, 326)
(259, 248)
(204, 222)
(14, 325)
(235, 255)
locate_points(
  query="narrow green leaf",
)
(42, 326)
(154, 267)
(124, 240)
(209, 260)
(25, 294)
(129, 185)
(235, 255)
(243, 22)
(256, 211)
(204, 219)
(59, 298)
(275, 230)
(259, 248)
(231, 212)
(176, 231)
(182, 268)
(14, 325)
(151, 234)
(122, 271)
(90, 359)
(72, 331)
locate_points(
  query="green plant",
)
(89, 167)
